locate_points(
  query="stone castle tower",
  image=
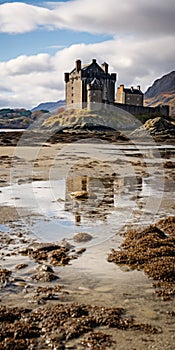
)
(87, 85)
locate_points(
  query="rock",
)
(48, 247)
(81, 251)
(21, 266)
(44, 267)
(4, 275)
(155, 127)
(82, 237)
(44, 276)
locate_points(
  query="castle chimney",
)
(121, 87)
(94, 60)
(66, 77)
(78, 65)
(132, 88)
(104, 66)
(138, 87)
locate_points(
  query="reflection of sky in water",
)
(100, 216)
(3, 228)
(49, 199)
(120, 200)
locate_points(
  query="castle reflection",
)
(104, 189)
(100, 199)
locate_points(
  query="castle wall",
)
(138, 110)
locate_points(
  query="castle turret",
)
(94, 94)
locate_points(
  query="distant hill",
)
(49, 106)
(162, 92)
(19, 118)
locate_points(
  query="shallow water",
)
(4, 228)
(125, 185)
(109, 209)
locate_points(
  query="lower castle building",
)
(129, 96)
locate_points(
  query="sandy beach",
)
(47, 270)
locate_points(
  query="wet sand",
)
(34, 277)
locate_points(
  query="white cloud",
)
(29, 80)
(99, 16)
(26, 64)
(21, 18)
(142, 48)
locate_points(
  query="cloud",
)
(142, 48)
(120, 17)
(21, 18)
(29, 80)
(26, 65)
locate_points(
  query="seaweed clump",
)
(153, 251)
(54, 326)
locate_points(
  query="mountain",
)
(164, 84)
(162, 92)
(49, 106)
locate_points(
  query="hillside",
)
(18, 118)
(162, 91)
(112, 118)
(49, 106)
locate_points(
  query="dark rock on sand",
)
(82, 237)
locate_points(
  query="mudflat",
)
(112, 291)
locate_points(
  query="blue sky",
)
(40, 40)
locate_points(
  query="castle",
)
(92, 84)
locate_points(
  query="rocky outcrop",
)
(157, 127)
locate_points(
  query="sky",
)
(40, 40)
